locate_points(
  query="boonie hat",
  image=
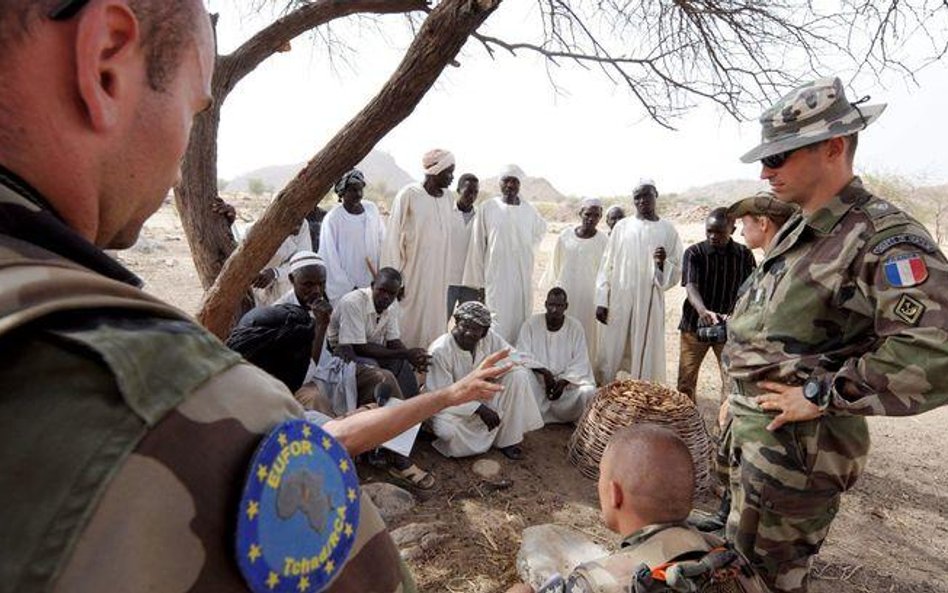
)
(811, 113)
(762, 203)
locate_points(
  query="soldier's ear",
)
(110, 64)
(616, 496)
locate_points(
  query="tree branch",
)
(233, 67)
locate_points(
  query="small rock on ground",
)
(392, 501)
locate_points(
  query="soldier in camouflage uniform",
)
(845, 317)
(646, 489)
(126, 429)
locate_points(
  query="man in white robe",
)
(475, 427)
(350, 240)
(507, 231)
(553, 345)
(642, 261)
(575, 265)
(417, 244)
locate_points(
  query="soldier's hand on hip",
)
(789, 401)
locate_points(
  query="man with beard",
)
(555, 350)
(641, 262)
(507, 230)
(574, 266)
(418, 244)
(474, 428)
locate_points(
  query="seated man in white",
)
(474, 428)
(553, 345)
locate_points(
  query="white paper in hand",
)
(403, 443)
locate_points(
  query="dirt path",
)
(891, 534)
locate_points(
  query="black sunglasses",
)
(775, 161)
(67, 9)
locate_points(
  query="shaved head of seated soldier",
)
(646, 477)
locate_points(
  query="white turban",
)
(590, 202)
(643, 183)
(511, 171)
(304, 259)
(436, 161)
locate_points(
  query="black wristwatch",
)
(814, 391)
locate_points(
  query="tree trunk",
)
(437, 43)
(208, 234)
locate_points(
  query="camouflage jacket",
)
(653, 546)
(126, 429)
(854, 295)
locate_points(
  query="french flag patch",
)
(904, 271)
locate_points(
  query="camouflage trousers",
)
(785, 488)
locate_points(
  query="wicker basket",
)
(625, 403)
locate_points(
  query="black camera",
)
(714, 334)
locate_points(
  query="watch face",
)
(811, 390)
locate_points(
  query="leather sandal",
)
(413, 476)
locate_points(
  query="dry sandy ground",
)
(891, 533)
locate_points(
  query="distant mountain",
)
(535, 189)
(721, 192)
(379, 167)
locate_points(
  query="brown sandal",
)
(413, 476)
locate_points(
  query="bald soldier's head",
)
(646, 476)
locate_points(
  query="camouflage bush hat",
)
(762, 203)
(809, 114)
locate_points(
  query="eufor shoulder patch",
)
(905, 271)
(905, 238)
(909, 310)
(299, 511)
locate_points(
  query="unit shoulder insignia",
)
(299, 511)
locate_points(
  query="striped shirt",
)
(717, 274)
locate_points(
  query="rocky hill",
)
(381, 171)
(535, 189)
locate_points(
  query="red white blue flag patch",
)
(904, 271)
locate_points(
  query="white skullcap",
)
(304, 259)
(645, 182)
(512, 171)
(589, 202)
(436, 161)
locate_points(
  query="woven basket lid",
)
(627, 403)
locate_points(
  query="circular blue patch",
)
(299, 512)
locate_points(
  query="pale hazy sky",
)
(595, 140)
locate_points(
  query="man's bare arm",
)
(367, 430)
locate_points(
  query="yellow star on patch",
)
(253, 509)
(327, 444)
(344, 465)
(282, 439)
(254, 553)
(304, 583)
(273, 580)
(351, 494)
(330, 566)
(306, 430)
(262, 472)
(348, 530)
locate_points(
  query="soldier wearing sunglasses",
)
(845, 317)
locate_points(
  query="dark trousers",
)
(401, 369)
(693, 352)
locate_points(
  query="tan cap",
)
(762, 203)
